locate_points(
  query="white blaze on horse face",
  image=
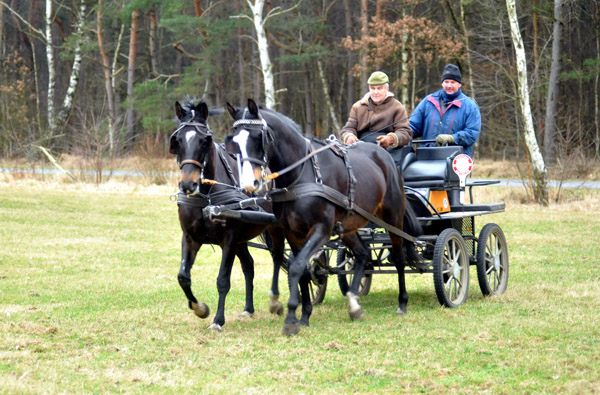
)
(189, 136)
(247, 177)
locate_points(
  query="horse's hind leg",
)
(276, 245)
(247, 264)
(189, 250)
(400, 263)
(361, 254)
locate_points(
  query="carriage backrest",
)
(431, 167)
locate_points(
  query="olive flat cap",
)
(378, 78)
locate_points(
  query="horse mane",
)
(284, 120)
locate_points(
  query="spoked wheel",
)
(492, 260)
(318, 283)
(345, 261)
(450, 268)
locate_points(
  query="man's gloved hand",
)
(385, 141)
(444, 139)
(350, 139)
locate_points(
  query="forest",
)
(101, 77)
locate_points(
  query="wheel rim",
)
(450, 268)
(492, 260)
(494, 267)
(454, 272)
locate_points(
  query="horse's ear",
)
(231, 110)
(203, 110)
(253, 107)
(179, 111)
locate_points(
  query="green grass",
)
(89, 303)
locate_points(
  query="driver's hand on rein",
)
(444, 139)
(385, 141)
(350, 139)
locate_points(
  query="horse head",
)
(254, 140)
(191, 142)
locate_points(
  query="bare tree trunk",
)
(308, 104)
(463, 26)
(364, 32)
(550, 123)
(2, 47)
(67, 105)
(152, 42)
(51, 69)
(107, 81)
(116, 56)
(540, 190)
(336, 123)
(596, 92)
(263, 50)
(241, 63)
(350, 63)
(133, 46)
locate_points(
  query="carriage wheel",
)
(450, 268)
(345, 261)
(492, 260)
(318, 283)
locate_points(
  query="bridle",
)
(266, 137)
(202, 129)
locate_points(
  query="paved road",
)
(505, 183)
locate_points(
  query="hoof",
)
(215, 327)
(401, 311)
(290, 329)
(356, 312)
(276, 308)
(246, 315)
(356, 315)
(304, 322)
(201, 309)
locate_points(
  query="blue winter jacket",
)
(461, 119)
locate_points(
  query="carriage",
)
(449, 245)
(368, 218)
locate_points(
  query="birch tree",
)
(552, 99)
(67, 105)
(51, 67)
(540, 191)
(259, 22)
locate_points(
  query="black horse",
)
(321, 196)
(209, 176)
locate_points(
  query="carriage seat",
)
(431, 167)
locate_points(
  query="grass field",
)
(89, 303)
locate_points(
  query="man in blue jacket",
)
(448, 115)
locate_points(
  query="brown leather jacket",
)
(366, 117)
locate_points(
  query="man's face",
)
(451, 86)
(378, 92)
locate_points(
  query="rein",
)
(301, 161)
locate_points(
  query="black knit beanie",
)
(452, 72)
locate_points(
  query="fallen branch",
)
(55, 163)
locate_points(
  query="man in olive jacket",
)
(378, 118)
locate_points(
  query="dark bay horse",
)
(320, 197)
(209, 176)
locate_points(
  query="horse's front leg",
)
(276, 246)
(189, 250)
(224, 282)
(299, 268)
(361, 254)
(247, 264)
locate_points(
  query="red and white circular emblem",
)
(462, 165)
